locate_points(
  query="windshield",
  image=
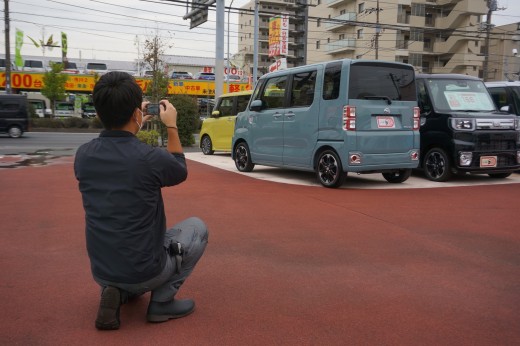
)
(371, 80)
(459, 95)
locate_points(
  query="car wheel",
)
(15, 132)
(499, 175)
(398, 177)
(243, 158)
(437, 166)
(206, 145)
(329, 169)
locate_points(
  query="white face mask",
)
(141, 124)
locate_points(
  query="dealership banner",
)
(18, 60)
(278, 36)
(85, 83)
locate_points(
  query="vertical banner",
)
(274, 36)
(64, 46)
(284, 35)
(18, 60)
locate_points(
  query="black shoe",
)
(108, 313)
(162, 312)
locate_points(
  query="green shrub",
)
(77, 123)
(150, 137)
(96, 123)
(187, 117)
(47, 123)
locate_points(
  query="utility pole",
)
(377, 31)
(7, 49)
(492, 6)
(255, 44)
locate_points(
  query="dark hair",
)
(116, 95)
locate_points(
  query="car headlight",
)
(463, 124)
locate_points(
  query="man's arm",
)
(168, 116)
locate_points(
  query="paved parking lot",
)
(286, 264)
(353, 181)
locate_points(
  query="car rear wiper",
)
(388, 99)
(394, 81)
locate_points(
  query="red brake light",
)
(349, 118)
(416, 118)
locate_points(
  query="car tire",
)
(329, 170)
(15, 132)
(437, 165)
(243, 158)
(206, 145)
(398, 177)
(499, 175)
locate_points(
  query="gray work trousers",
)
(192, 233)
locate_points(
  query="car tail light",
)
(416, 118)
(349, 118)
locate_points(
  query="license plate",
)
(385, 122)
(488, 161)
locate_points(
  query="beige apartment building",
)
(436, 36)
(504, 53)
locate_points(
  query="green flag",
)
(63, 45)
(18, 61)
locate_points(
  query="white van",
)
(96, 68)
(333, 118)
(33, 66)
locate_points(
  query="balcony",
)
(340, 21)
(340, 46)
(337, 3)
(461, 12)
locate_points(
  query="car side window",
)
(499, 96)
(226, 106)
(303, 85)
(242, 102)
(273, 94)
(331, 81)
(425, 104)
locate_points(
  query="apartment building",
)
(297, 12)
(504, 53)
(436, 36)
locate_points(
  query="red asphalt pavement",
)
(285, 265)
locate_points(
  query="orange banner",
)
(85, 83)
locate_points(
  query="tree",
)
(152, 56)
(54, 84)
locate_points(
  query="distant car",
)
(64, 109)
(231, 78)
(505, 95)
(69, 67)
(181, 75)
(96, 67)
(88, 110)
(14, 118)
(33, 66)
(40, 108)
(205, 76)
(216, 132)
(3, 65)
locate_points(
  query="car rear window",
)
(94, 66)
(370, 80)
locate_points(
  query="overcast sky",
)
(109, 29)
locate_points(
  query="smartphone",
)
(153, 109)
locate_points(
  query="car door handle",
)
(277, 115)
(290, 115)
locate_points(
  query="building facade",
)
(436, 36)
(504, 53)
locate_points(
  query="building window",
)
(342, 12)
(415, 59)
(317, 45)
(361, 7)
(328, 40)
(341, 36)
(318, 22)
(416, 34)
(418, 10)
(360, 33)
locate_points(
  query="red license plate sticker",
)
(385, 122)
(488, 161)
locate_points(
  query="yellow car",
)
(217, 131)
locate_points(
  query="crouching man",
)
(120, 178)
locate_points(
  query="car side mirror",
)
(215, 114)
(256, 105)
(505, 109)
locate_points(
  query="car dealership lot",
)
(353, 181)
